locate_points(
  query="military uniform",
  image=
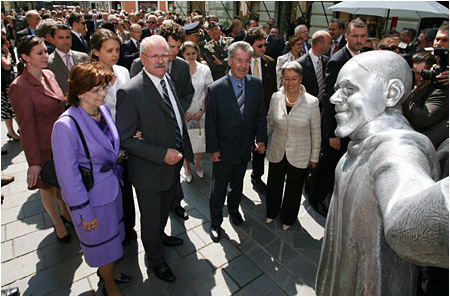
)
(220, 51)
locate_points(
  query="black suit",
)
(140, 106)
(274, 47)
(309, 77)
(92, 25)
(233, 135)
(128, 53)
(23, 33)
(79, 46)
(147, 33)
(180, 76)
(323, 177)
(269, 80)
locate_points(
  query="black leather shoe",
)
(236, 218)
(164, 273)
(180, 212)
(215, 233)
(66, 221)
(11, 292)
(65, 239)
(319, 207)
(172, 241)
(259, 185)
(123, 278)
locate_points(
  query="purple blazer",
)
(68, 153)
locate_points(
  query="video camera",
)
(442, 54)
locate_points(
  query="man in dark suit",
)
(235, 114)
(152, 21)
(150, 104)
(262, 67)
(333, 148)
(274, 46)
(407, 36)
(79, 43)
(33, 18)
(336, 29)
(93, 24)
(61, 61)
(314, 64)
(129, 50)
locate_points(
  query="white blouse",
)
(122, 77)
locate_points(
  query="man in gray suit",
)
(150, 104)
(63, 58)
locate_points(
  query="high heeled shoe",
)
(105, 293)
(12, 138)
(65, 239)
(66, 221)
(123, 278)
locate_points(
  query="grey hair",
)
(298, 28)
(242, 45)
(45, 27)
(154, 39)
(292, 65)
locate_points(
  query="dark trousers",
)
(289, 205)
(179, 195)
(129, 211)
(154, 207)
(257, 164)
(222, 175)
(323, 176)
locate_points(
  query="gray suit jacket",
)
(141, 107)
(59, 68)
(180, 76)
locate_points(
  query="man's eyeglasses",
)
(157, 57)
(151, 22)
(240, 61)
(261, 45)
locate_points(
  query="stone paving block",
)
(15, 168)
(12, 214)
(258, 231)
(203, 232)
(20, 199)
(262, 286)
(290, 283)
(302, 240)
(32, 241)
(265, 261)
(235, 234)
(32, 208)
(313, 255)
(281, 251)
(186, 204)
(24, 226)
(315, 227)
(192, 242)
(73, 269)
(15, 187)
(305, 269)
(171, 255)
(60, 252)
(216, 283)
(138, 266)
(81, 287)
(195, 219)
(242, 270)
(220, 253)
(201, 204)
(7, 251)
(20, 267)
(38, 284)
(3, 233)
(145, 288)
(174, 227)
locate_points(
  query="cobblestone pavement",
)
(253, 259)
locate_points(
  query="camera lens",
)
(428, 74)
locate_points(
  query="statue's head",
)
(367, 86)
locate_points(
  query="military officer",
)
(216, 51)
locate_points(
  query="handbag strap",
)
(82, 139)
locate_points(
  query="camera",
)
(431, 74)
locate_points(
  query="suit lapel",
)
(157, 98)
(60, 63)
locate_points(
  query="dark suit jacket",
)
(309, 80)
(341, 44)
(180, 76)
(269, 79)
(274, 47)
(90, 25)
(22, 33)
(226, 130)
(59, 68)
(146, 33)
(333, 67)
(128, 52)
(78, 46)
(141, 107)
(37, 109)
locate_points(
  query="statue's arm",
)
(415, 209)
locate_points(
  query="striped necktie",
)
(179, 137)
(320, 82)
(241, 99)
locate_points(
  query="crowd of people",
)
(131, 97)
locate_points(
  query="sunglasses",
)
(151, 22)
(114, 23)
(390, 48)
(261, 45)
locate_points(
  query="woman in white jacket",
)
(294, 122)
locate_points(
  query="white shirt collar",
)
(62, 55)
(352, 53)
(134, 40)
(77, 34)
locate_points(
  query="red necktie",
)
(336, 45)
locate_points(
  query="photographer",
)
(427, 106)
(441, 40)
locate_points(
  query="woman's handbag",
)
(48, 172)
(198, 140)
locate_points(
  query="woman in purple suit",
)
(96, 214)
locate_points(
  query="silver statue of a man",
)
(388, 211)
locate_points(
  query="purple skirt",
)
(103, 245)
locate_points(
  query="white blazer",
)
(296, 134)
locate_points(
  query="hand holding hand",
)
(172, 157)
(138, 135)
(91, 225)
(215, 157)
(260, 147)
